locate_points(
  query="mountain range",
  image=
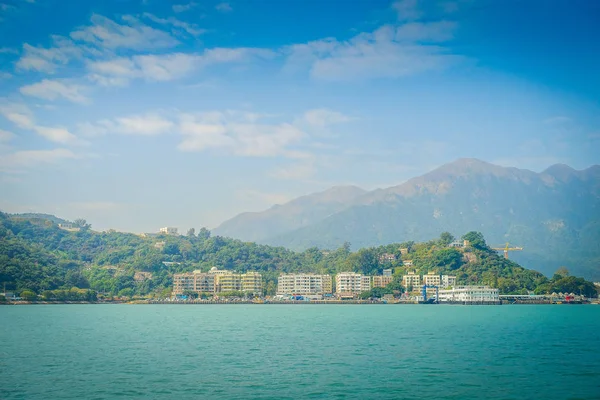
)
(554, 215)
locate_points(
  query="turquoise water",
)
(299, 352)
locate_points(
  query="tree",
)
(476, 240)
(446, 238)
(82, 224)
(204, 233)
(562, 271)
(191, 232)
(28, 295)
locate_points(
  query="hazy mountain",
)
(554, 215)
(298, 213)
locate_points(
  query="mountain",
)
(554, 215)
(298, 213)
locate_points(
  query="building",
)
(252, 283)
(387, 272)
(304, 284)
(349, 284)
(403, 250)
(407, 263)
(217, 281)
(382, 280)
(432, 279)
(168, 230)
(69, 227)
(448, 281)
(387, 258)
(469, 294)
(412, 280)
(197, 281)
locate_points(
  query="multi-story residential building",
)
(217, 281)
(229, 282)
(252, 283)
(382, 280)
(304, 284)
(197, 281)
(411, 280)
(470, 294)
(168, 230)
(387, 258)
(387, 272)
(432, 279)
(448, 281)
(351, 284)
(407, 263)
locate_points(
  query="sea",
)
(300, 352)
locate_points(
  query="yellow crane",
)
(506, 249)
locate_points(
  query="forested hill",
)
(36, 255)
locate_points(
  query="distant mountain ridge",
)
(298, 213)
(554, 215)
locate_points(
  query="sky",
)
(138, 114)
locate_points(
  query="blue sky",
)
(139, 114)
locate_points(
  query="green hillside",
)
(37, 255)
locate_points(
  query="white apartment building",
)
(448, 281)
(412, 279)
(432, 279)
(304, 284)
(168, 230)
(217, 281)
(351, 283)
(469, 294)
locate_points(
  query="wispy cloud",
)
(178, 25)
(224, 7)
(6, 136)
(48, 59)
(263, 197)
(322, 117)
(105, 33)
(33, 158)
(54, 89)
(22, 117)
(388, 52)
(179, 8)
(237, 133)
(166, 67)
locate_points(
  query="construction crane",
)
(506, 249)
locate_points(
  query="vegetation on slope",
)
(37, 256)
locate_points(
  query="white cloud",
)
(33, 158)
(322, 117)
(407, 10)
(388, 52)
(237, 133)
(192, 29)
(47, 59)
(57, 134)
(178, 8)
(6, 136)
(23, 118)
(105, 33)
(53, 89)
(224, 7)
(149, 124)
(166, 67)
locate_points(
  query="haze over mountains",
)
(554, 215)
